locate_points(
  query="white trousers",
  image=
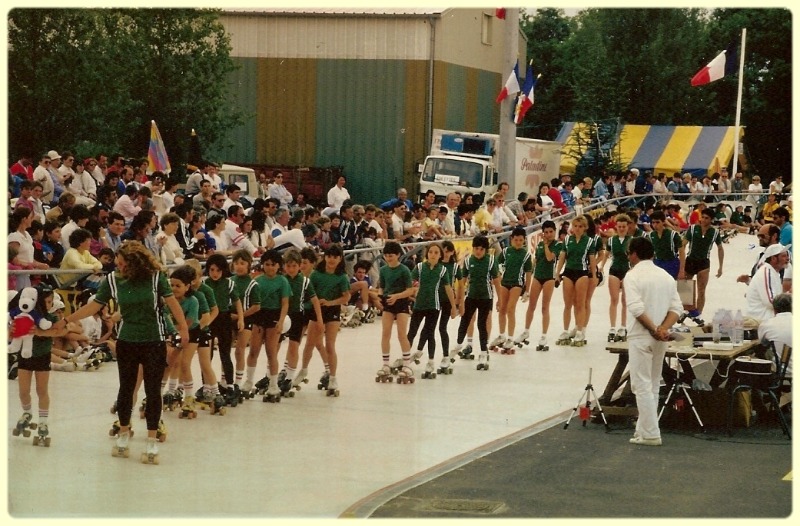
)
(646, 356)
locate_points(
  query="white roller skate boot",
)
(396, 365)
(563, 339)
(333, 387)
(496, 342)
(522, 339)
(507, 347)
(579, 340)
(120, 448)
(483, 361)
(542, 345)
(300, 378)
(612, 335)
(384, 374)
(416, 356)
(150, 455)
(622, 335)
(430, 371)
(445, 366)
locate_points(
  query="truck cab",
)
(460, 162)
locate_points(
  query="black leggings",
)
(444, 319)
(428, 329)
(152, 356)
(484, 308)
(221, 329)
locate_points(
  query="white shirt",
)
(84, 184)
(337, 196)
(25, 241)
(398, 226)
(776, 187)
(236, 239)
(649, 290)
(229, 203)
(778, 330)
(764, 286)
(66, 230)
(548, 205)
(43, 176)
(222, 241)
(279, 192)
(97, 174)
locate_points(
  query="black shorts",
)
(205, 338)
(299, 322)
(267, 318)
(695, 266)
(401, 306)
(249, 321)
(542, 281)
(511, 286)
(195, 334)
(34, 363)
(619, 274)
(575, 274)
(331, 313)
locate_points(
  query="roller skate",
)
(188, 409)
(496, 343)
(115, 427)
(67, 366)
(333, 387)
(466, 353)
(522, 339)
(579, 340)
(177, 399)
(41, 439)
(430, 371)
(114, 408)
(396, 366)
(230, 395)
(262, 385)
(445, 367)
(563, 339)
(405, 375)
(24, 425)
(507, 347)
(161, 432)
(273, 394)
(216, 405)
(285, 385)
(142, 408)
(622, 335)
(203, 401)
(542, 345)
(612, 335)
(247, 390)
(120, 449)
(301, 378)
(416, 356)
(150, 455)
(384, 375)
(483, 361)
(13, 366)
(370, 315)
(323, 381)
(693, 315)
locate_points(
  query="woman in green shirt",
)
(138, 285)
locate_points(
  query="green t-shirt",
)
(699, 244)
(667, 245)
(247, 291)
(191, 311)
(202, 303)
(302, 292)
(42, 345)
(329, 286)
(480, 273)
(578, 252)
(273, 290)
(431, 281)
(224, 292)
(517, 262)
(454, 273)
(547, 269)
(618, 247)
(394, 279)
(138, 301)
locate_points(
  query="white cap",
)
(53, 155)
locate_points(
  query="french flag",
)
(723, 64)
(511, 87)
(525, 101)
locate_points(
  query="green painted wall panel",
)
(455, 97)
(360, 117)
(242, 140)
(487, 110)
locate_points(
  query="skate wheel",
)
(47, 442)
(433, 375)
(144, 458)
(36, 441)
(162, 437)
(155, 460)
(26, 433)
(222, 411)
(15, 432)
(111, 432)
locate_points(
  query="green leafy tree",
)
(80, 77)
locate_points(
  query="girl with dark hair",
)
(578, 261)
(545, 249)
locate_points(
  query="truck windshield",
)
(453, 172)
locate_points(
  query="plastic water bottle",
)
(715, 326)
(737, 335)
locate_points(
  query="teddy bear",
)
(25, 316)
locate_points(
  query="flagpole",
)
(738, 107)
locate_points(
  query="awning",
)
(699, 150)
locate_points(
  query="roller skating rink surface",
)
(312, 455)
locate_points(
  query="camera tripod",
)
(680, 385)
(585, 405)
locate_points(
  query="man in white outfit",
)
(766, 282)
(653, 306)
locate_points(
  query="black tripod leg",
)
(600, 409)
(585, 395)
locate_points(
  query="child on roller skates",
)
(247, 290)
(546, 249)
(333, 290)
(595, 244)
(617, 248)
(430, 277)
(481, 273)
(37, 366)
(275, 292)
(578, 262)
(304, 311)
(395, 287)
(222, 326)
(517, 267)
(181, 283)
(308, 260)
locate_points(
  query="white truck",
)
(467, 162)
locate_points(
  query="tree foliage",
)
(636, 64)
(94, 78)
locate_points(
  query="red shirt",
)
(18, 168)
(555, 195)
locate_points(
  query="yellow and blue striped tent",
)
(699, 150)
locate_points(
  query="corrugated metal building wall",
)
(323, 89)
